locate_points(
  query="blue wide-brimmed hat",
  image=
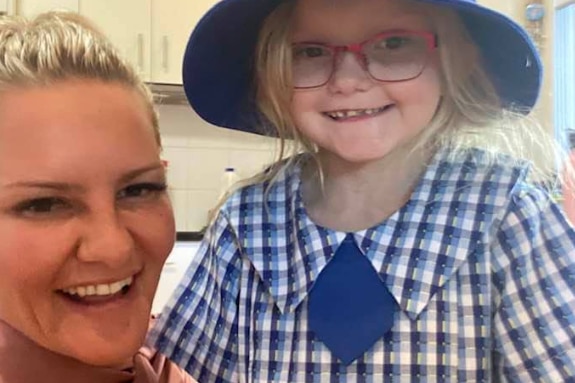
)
(218, 62)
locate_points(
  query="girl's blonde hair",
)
(59, 46)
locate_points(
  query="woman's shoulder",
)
(152, 367)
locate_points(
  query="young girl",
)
(405, 241)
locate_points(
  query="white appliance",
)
(174, 269)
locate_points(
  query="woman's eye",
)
(143, 190)
(41, 206)
(310, 51)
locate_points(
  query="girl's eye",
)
(310, 51)
(142, 190)
(394, 42)
(42, 206)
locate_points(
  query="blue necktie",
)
(349, 307)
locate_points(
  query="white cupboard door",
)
(31, 8)
(127, 24)
(6, 7)
(172, 23)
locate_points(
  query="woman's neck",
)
(23, 361)
(356, 196)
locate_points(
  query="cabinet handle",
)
(141, 52)
(165, 52)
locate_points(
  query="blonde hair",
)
(60, 46)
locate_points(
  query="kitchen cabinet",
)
(152, 34)
(31, 8)
(6, 7)
(127, 24)
(172, 23)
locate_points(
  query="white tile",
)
(205, 167)
(175, 141)
(180, 205)
(249, 162)
(199, 205)
(178, 169)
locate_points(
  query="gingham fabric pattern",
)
(481, 263)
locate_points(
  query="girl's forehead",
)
(347, 21)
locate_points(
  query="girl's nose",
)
(349, 74)
(106, 239)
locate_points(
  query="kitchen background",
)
(152, 34)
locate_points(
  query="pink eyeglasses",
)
(391, 56)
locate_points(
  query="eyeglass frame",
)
(356, 49)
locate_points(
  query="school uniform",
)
(479, 261)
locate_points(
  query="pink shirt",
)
(23, 361)
(569, 193)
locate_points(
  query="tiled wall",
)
(197, 154)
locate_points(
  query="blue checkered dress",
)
(481, 263)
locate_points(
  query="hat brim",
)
(218, 61)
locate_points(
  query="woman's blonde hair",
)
(59, 46)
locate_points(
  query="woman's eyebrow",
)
(41, 184)
(66, 186)
(139, 171)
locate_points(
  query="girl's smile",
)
(356, 114)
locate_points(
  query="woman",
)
(85, 220)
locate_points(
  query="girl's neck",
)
(356, 196)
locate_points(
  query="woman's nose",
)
(349, 74)
(106, 239)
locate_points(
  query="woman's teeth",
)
(99, 290)
(342, 114)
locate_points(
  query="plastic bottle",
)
(229, 179)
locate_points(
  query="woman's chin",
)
(104, 345)
(113, 354)
(102, 333)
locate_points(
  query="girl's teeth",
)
(354, 113)
(100, 290)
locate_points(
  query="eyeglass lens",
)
(387, 58)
